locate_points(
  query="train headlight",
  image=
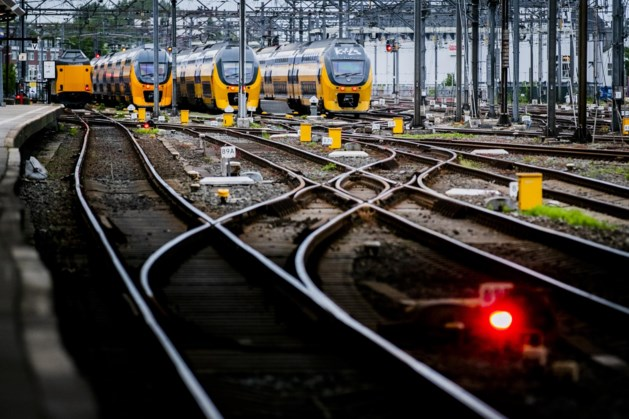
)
(342, 88)
(355, 89)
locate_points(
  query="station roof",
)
(9, 10)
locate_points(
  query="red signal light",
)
(390, 45)
(87, 88)
(500, 320)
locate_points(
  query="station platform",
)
(37, 377)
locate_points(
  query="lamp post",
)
(436, 41)
(155, 61)
(504, 119)
(40, 78)
(174, 56)
(242, 95)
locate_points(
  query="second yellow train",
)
(129, 76)
(208, 77)
(334, 74)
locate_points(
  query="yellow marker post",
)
(305, 132)
(142, 114)
(184, 116)
(529, 190)
(335, 134)
(223, 194)
(625, 126)
(228, 119)
(398, 125)
(228, 116)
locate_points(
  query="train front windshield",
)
(146, 73)
(348, 71)
(231, 71)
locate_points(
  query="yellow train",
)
(127, 77)
(208, 77)
(72, 85)
(333, 73)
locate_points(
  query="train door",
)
(207, 76)
(119, 86)
(126, 79)
(267, 83)
(291, 76)
(198, 89)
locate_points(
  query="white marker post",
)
(227, 153)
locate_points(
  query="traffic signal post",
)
(393, 46)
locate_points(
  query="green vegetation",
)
(439, 136)
(150, 131)
(9, 89)
(101, 107)
(530, 159)
(572, 217)
(598, 172)
(255, 125)
(120, 114)
(266, 135)
(470, 164)
(450, 80)
(73, 131)
(329, 167)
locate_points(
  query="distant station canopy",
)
(9, 10)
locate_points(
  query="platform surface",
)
(37, 377)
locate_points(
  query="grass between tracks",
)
(570, 216)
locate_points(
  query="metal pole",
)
(516, 60)
(475, 67)
(618, 90)
(539, 60)
(436, 45)
(40, 79)
(504, 119)
(491, 77)
(458, 81)
(155, 61)
(174, 55)
(6, 62)
(551, 128)
(560, 89)
(419, 64)
(530, 99)
(582, 134)
(1, 78)
(242, 94)
(341, 18)
(22, 49)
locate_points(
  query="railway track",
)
(350, 244)
(233, 357)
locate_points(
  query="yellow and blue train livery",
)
(128, 77)
(336, 72)
(208, 77)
